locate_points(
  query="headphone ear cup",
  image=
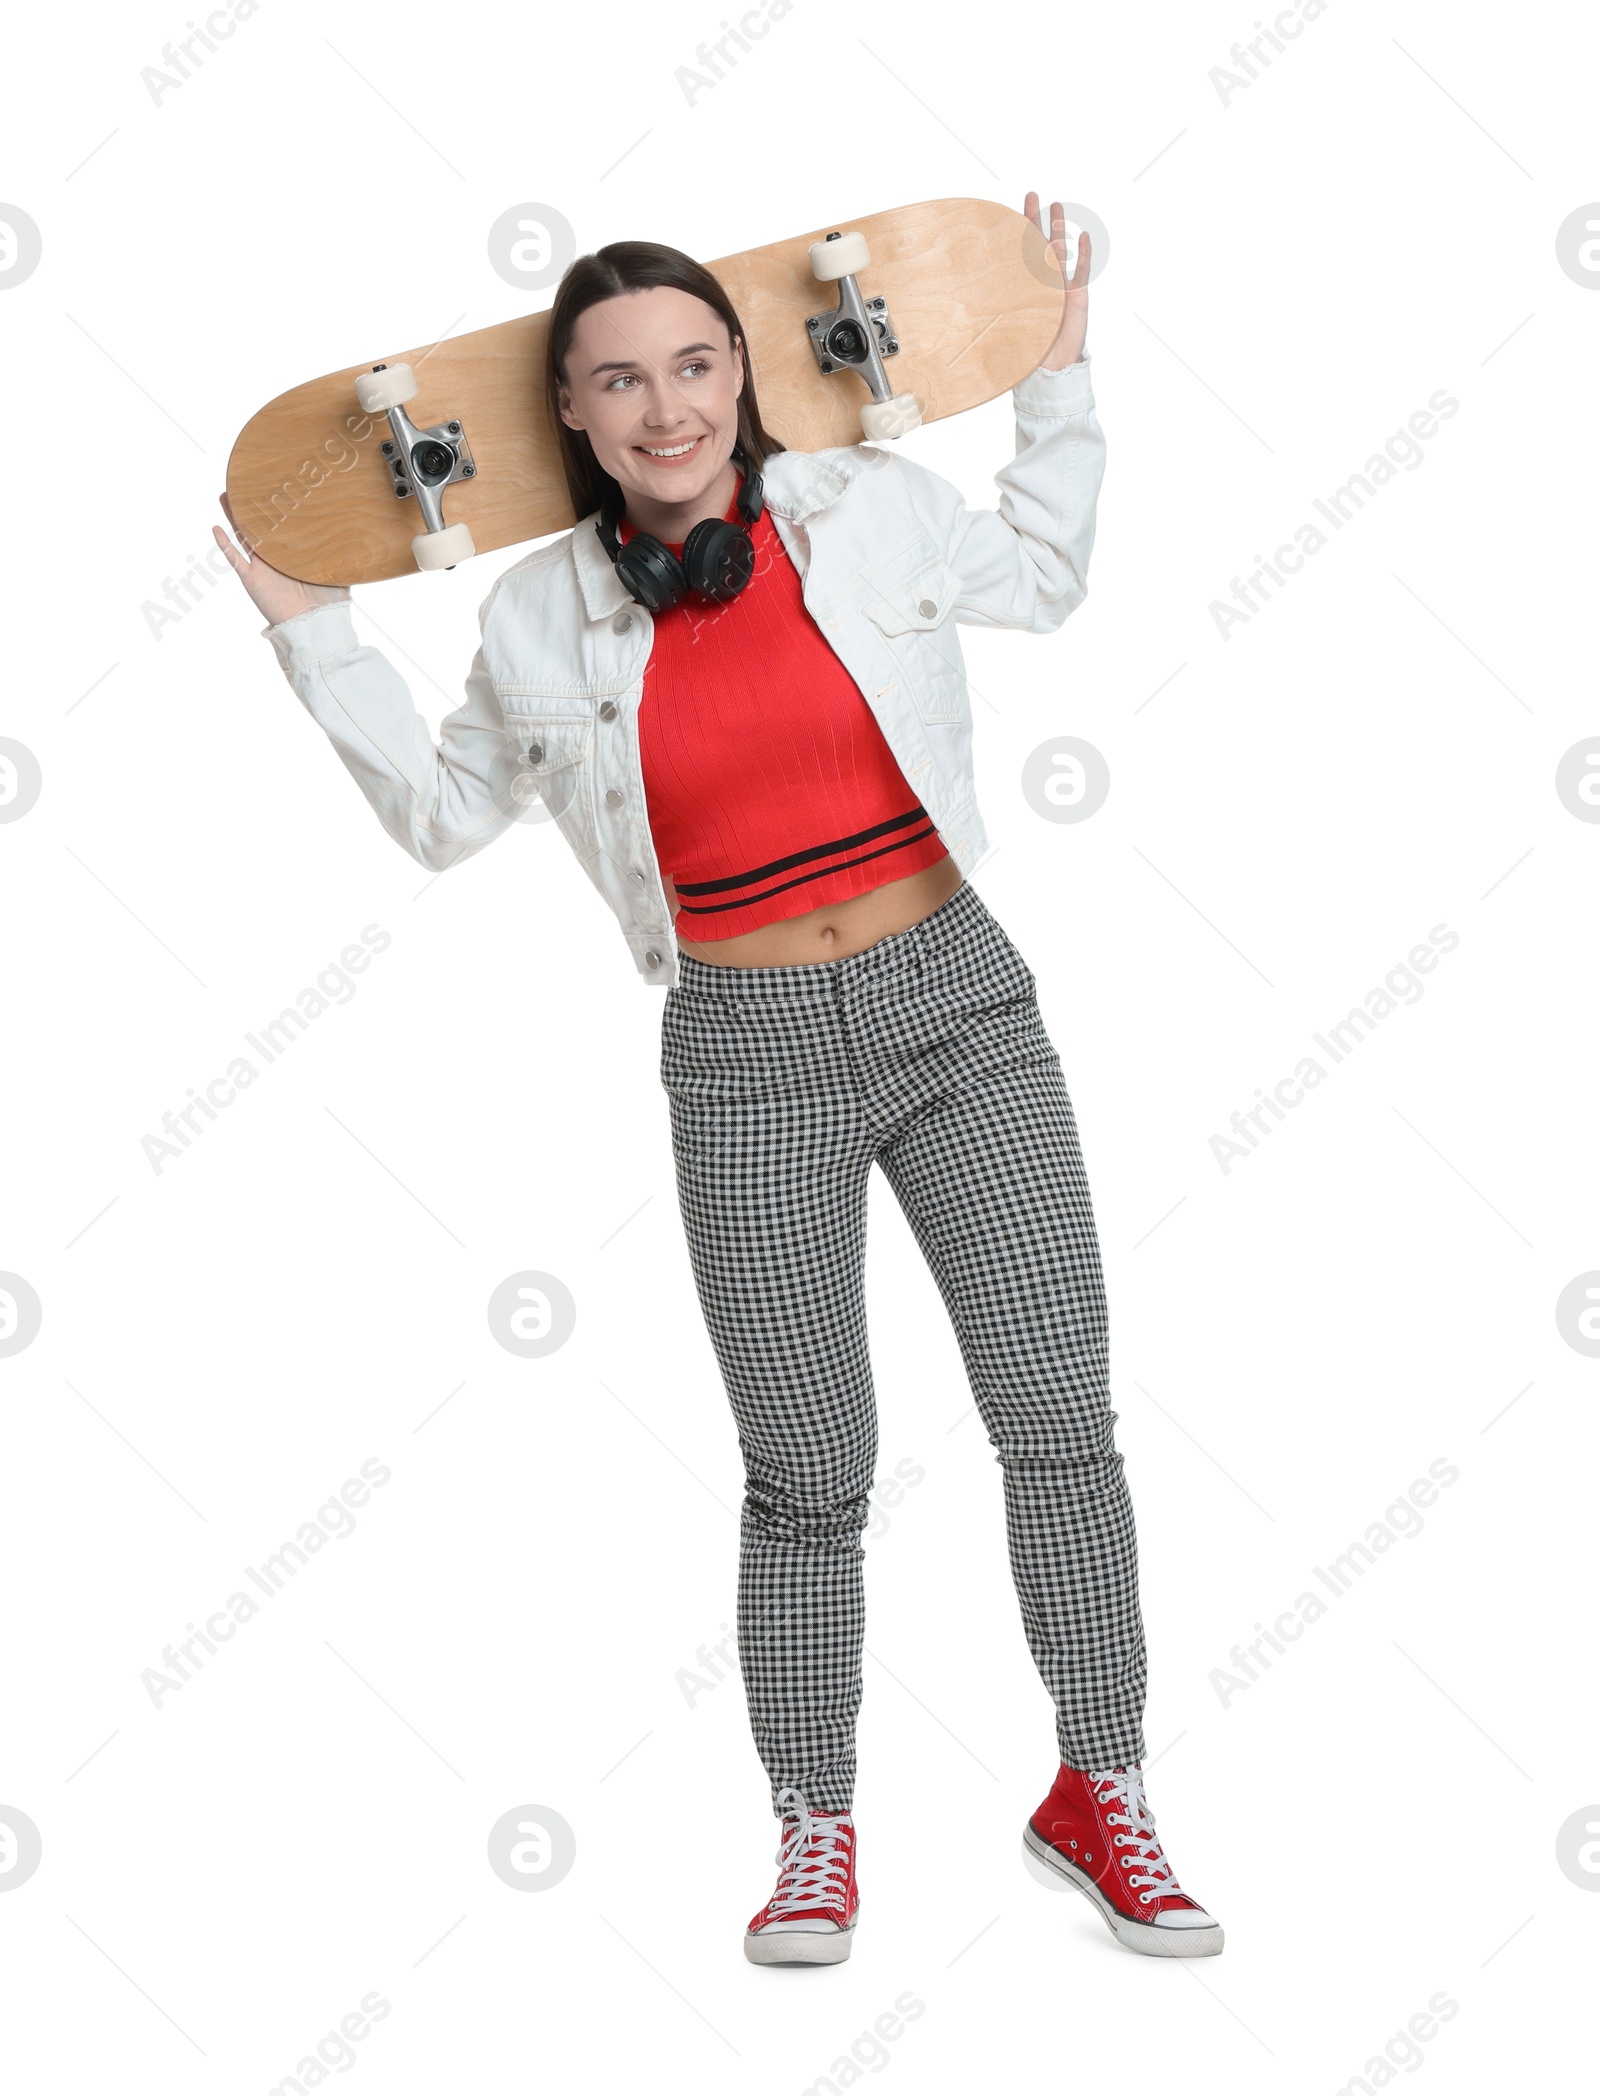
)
(718, 559)
(650, 574)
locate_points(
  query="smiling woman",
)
(672, 454)
(737, 687)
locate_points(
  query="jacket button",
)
(927, 607)
(622, 621)
(613, 798)
(638, 876)
(652, 959)
(608, 711)
(536, 753)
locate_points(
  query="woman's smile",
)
(674, 454)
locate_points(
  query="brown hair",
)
(620, 267)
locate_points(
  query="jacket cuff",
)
(1055, 393)
(315, 635)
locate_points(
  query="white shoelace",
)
(806, 1880)
(1125, 1787)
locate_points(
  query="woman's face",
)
(653, 378)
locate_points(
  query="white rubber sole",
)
(799, 1946)
(1051, 1868)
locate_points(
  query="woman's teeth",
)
(668, 450)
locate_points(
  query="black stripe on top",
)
(800, 858)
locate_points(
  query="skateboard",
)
(426, 457)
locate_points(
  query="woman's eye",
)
(694, 367)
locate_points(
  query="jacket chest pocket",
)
(553, 760)
(912, 610)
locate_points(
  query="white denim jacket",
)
(890, 560)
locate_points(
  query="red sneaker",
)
(1095, 1831)
(811, 1918)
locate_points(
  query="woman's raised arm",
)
(440, 801)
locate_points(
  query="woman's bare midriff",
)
(837, 930)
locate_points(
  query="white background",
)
(1291, 275)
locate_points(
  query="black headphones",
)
(718, 557)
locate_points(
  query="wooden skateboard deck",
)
(974, 299)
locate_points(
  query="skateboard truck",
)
(423, 463)
(858, 334)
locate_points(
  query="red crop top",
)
(769, 785)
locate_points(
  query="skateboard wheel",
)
(891, 418)
(378, 391)
(442, 549)
(845, 257)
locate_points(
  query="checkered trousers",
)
(926, 1055)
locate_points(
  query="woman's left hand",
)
(1068, 345)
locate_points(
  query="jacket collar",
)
(795, 485)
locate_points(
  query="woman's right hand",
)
(276, 596)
